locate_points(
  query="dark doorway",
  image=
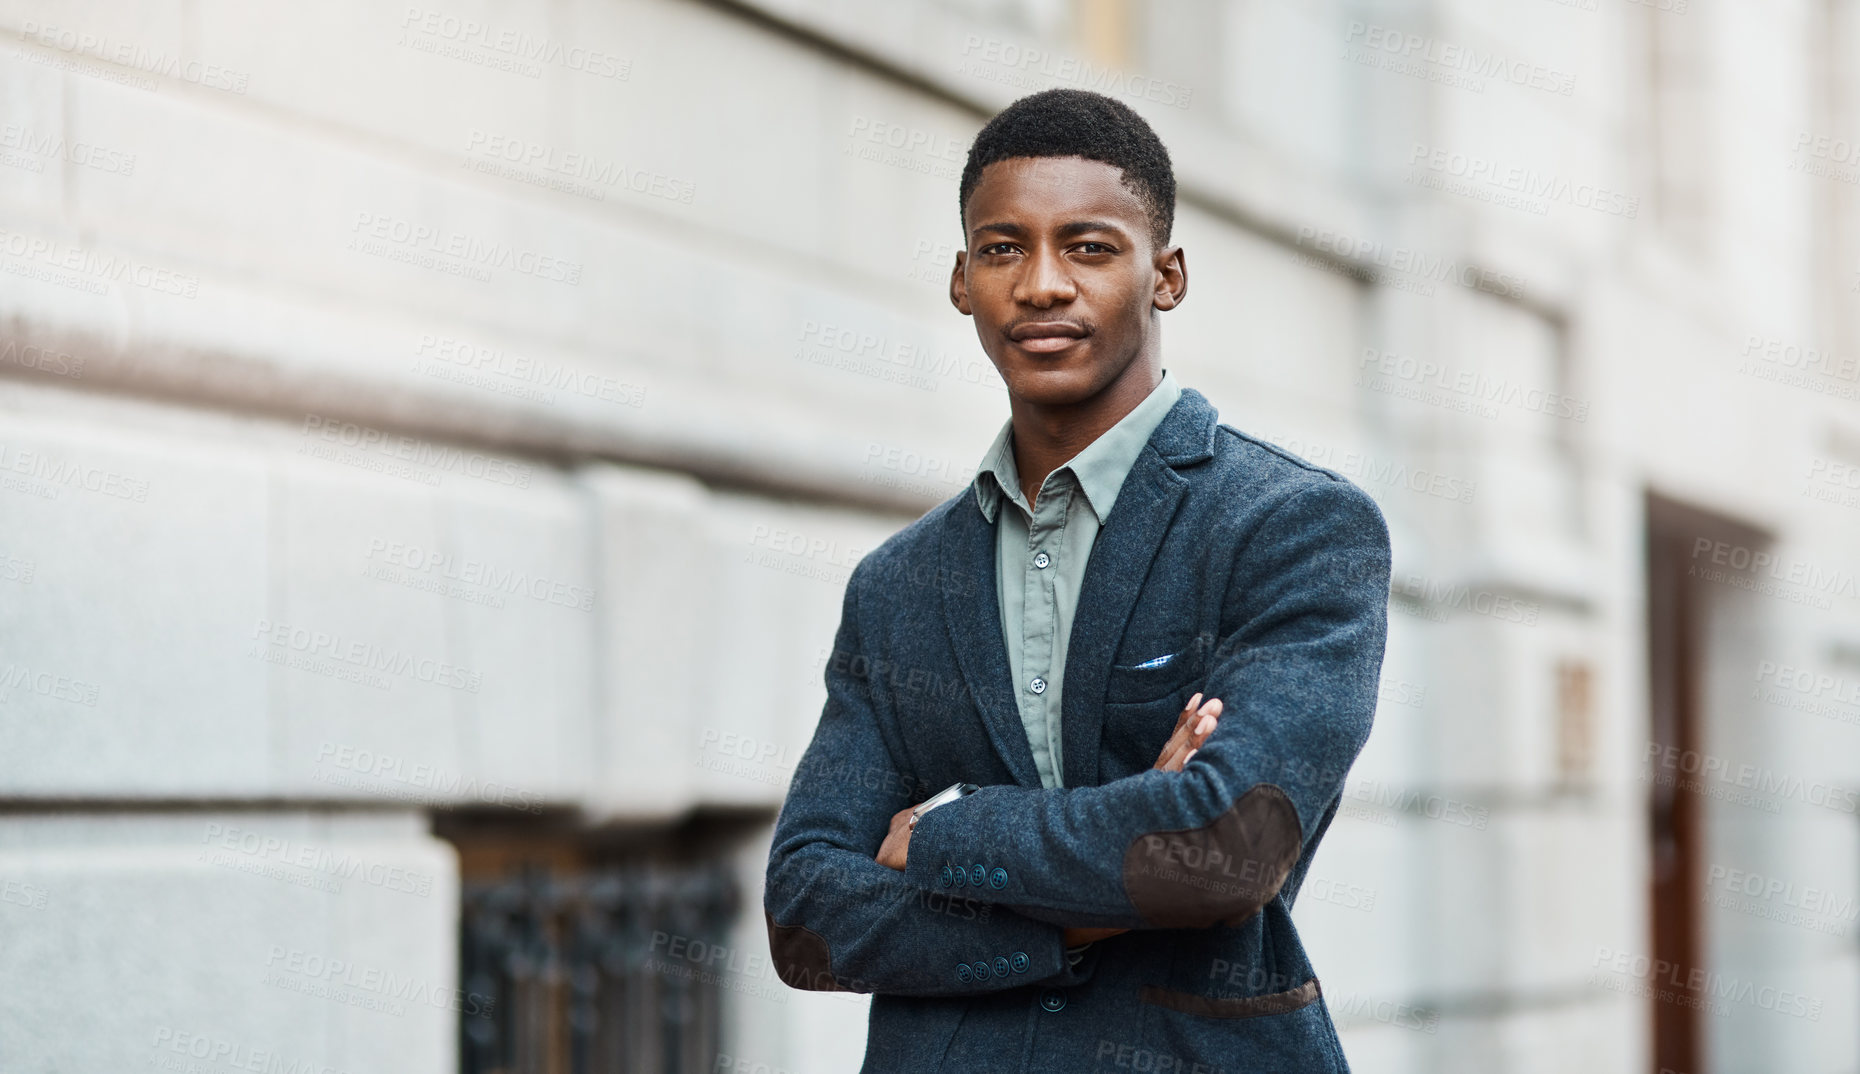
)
(1689, 553)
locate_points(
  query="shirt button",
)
(1042, 560)
(1038, 685)
(1053, 1000)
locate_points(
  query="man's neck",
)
(1045, 437)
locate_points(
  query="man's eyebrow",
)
(1080, 227)
(1000, 228)
(1066, 231)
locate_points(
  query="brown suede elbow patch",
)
(800, 957)
(1220, 873)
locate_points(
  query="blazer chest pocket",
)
(1152, 679)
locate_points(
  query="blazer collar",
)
(1120, 560)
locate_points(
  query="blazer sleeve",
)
(1304, 621)
(838, 920)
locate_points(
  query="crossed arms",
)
(1184, 845)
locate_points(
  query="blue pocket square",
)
(1156, 663)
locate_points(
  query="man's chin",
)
(1055, 386)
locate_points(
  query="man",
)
(1115, 890)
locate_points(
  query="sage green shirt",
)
(1041, 552)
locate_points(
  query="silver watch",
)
(943, 797)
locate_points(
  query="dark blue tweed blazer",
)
(1264, 582)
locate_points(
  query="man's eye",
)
(997, 248)
(1094, 248)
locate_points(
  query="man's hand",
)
(897, 841)
(1192, 728)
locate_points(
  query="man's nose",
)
(1045, 281)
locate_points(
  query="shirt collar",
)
(1100, 469)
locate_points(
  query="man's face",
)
(1060, 275)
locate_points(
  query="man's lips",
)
(1046, 336)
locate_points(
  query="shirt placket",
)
(1040, 605)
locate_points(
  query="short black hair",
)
(1079, 123)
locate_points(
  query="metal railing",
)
(569, 973)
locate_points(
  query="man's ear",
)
(1171, 278)
(959, 284)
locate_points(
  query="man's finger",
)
(1187, 711)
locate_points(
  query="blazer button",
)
(960, 876)
(998, 878)
(977, 874)
(1053, 1000)
(981, 971)
(1019, 962)
(1001, 966)
(964, 973)
(946, 877)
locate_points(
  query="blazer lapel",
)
(973, 619)
(1120, 561)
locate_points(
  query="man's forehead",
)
(1053, 181)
